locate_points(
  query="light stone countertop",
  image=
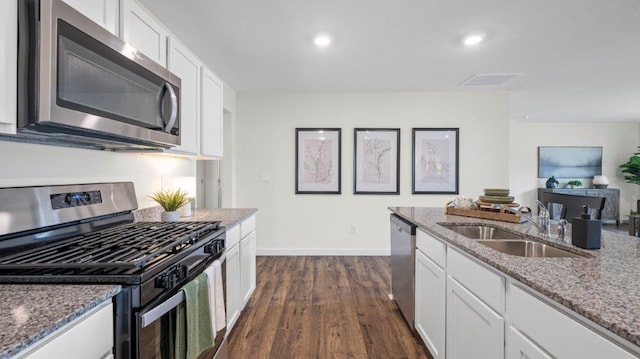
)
(30, 312)
(228, 216)
(603, 287)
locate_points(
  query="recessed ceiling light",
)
(322, 41)
(473, 39)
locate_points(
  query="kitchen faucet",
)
(562, 229)
(544, 221)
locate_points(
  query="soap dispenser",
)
(586, 232)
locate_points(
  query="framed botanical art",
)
(376, 161)
(435, 160)
(318, 160)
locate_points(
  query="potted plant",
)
(631, 169)
(170, 200)
(574, 184)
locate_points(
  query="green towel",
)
(193, 324)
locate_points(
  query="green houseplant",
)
(170, 200)
(574, 184)
(631, 169)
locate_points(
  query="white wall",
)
(320, 224)
(29, 164)
(618, 140)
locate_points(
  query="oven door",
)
(87, 82)
(156, 328)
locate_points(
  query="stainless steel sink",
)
(482, 232)
(523, 248)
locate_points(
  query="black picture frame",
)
(318, 161)
(432, 172)
(376, 153)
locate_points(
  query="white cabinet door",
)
(186, 65)
(8, 66)
(555, 332)
(88, 337)
(103, 12)
(248, 266)
(233, 286)
(431, 304)
(142, 31)
(521, 347)
(474, 330)
(211, 117)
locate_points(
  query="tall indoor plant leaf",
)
(631, 169)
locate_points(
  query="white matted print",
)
(318, 160)
(376, 161)
(435, 160)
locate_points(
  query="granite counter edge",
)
(17, 348)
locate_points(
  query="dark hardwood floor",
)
(323, 307)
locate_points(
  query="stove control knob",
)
(210, 247)
(164, 281)
(182, 271)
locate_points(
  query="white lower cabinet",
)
(241, 267)
(474, 330)
(521, 347)
(248, 266)
(88, 337)
(234, 300)
(430, 308)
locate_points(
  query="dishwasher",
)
(403, 266)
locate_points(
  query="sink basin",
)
(522, 248)
(482, 232)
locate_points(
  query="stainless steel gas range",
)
(87, 234)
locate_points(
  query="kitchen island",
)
(602, 286)
(31, 312)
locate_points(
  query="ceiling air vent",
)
(488, 79)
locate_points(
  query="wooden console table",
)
(611, 210)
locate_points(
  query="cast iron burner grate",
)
(125, 247)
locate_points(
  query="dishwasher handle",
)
(402, 225)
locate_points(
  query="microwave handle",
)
(166, 88)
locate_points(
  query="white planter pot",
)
(185, 211)
(172, 216)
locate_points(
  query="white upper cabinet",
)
(8, 66)
(103, 12)
(186, 65)
(211, 121)
(142, 31)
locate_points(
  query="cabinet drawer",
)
(247, 226)
(558, 334)
(484, 283)
(232, 236)
(432, 248)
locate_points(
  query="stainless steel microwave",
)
(80, 85)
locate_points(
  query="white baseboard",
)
(323, 252)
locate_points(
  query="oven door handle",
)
(162, 309)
